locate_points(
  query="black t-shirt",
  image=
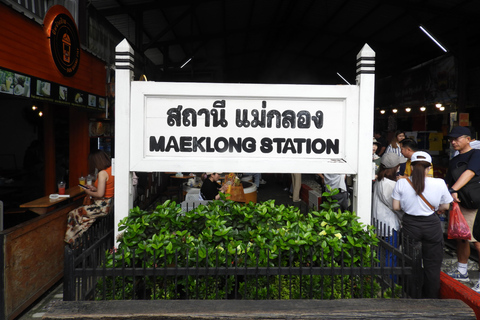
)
(209, 189)
(471, 158)
(384, 144)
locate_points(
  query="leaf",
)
(202, 252)
(350, 239)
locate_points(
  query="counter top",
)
(45, 204)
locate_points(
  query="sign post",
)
(123, 200)
(195, 127)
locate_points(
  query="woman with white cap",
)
(419, 197)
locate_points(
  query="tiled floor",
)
(41, 306)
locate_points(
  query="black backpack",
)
(469, 194)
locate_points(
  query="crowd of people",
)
(407, 200)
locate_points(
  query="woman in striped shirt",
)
(394, 146)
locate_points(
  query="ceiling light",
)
(343, 78)
(382, 111)
(442, 108)
(408, 109)
(394, 110)
(433, 39)
(438, 105)
(423, 108)
(183, 65)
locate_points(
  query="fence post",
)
(69, 275)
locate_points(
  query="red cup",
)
(61, 188)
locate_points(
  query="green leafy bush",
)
(244, 235)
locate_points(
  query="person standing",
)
(419, 197)
(383, 142)
(382, 193)
(408, 148)
(460, 139)
(474, 143)
(394, 146)
(375, 158)
(387, 220)
(337, 181)
(296, 186)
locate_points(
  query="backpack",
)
(469, 194)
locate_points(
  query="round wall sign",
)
(65, 44)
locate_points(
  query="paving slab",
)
(255, 309)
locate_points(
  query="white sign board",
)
(198, 127)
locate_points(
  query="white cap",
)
(421, 156)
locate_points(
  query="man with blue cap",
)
(463, 170)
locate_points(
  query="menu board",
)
(14, 83)
(31, 87)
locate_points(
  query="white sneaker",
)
(457, 275)
(476, 287)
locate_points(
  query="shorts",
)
(469, 215)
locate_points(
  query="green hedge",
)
(210, 235)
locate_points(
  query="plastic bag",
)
(457, 225)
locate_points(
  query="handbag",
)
(457, 225)
(469, 194)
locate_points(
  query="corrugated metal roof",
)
(290, 41)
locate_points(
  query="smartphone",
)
(82, 186)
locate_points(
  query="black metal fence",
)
(392, 269)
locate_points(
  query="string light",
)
(34, 107)
(408, 109)
(382, 111)
(40, 114)
(442, 108)
(423, 109)
(394, 110)
(438, 105)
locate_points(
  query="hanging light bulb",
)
(382, 111)
(408, 109)
(394, 110)
(423, 109)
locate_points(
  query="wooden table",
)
(45, 204)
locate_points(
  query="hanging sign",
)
(65, 44)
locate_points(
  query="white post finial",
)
(362, 198)
(123, 76)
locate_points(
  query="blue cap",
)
(459, 131)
